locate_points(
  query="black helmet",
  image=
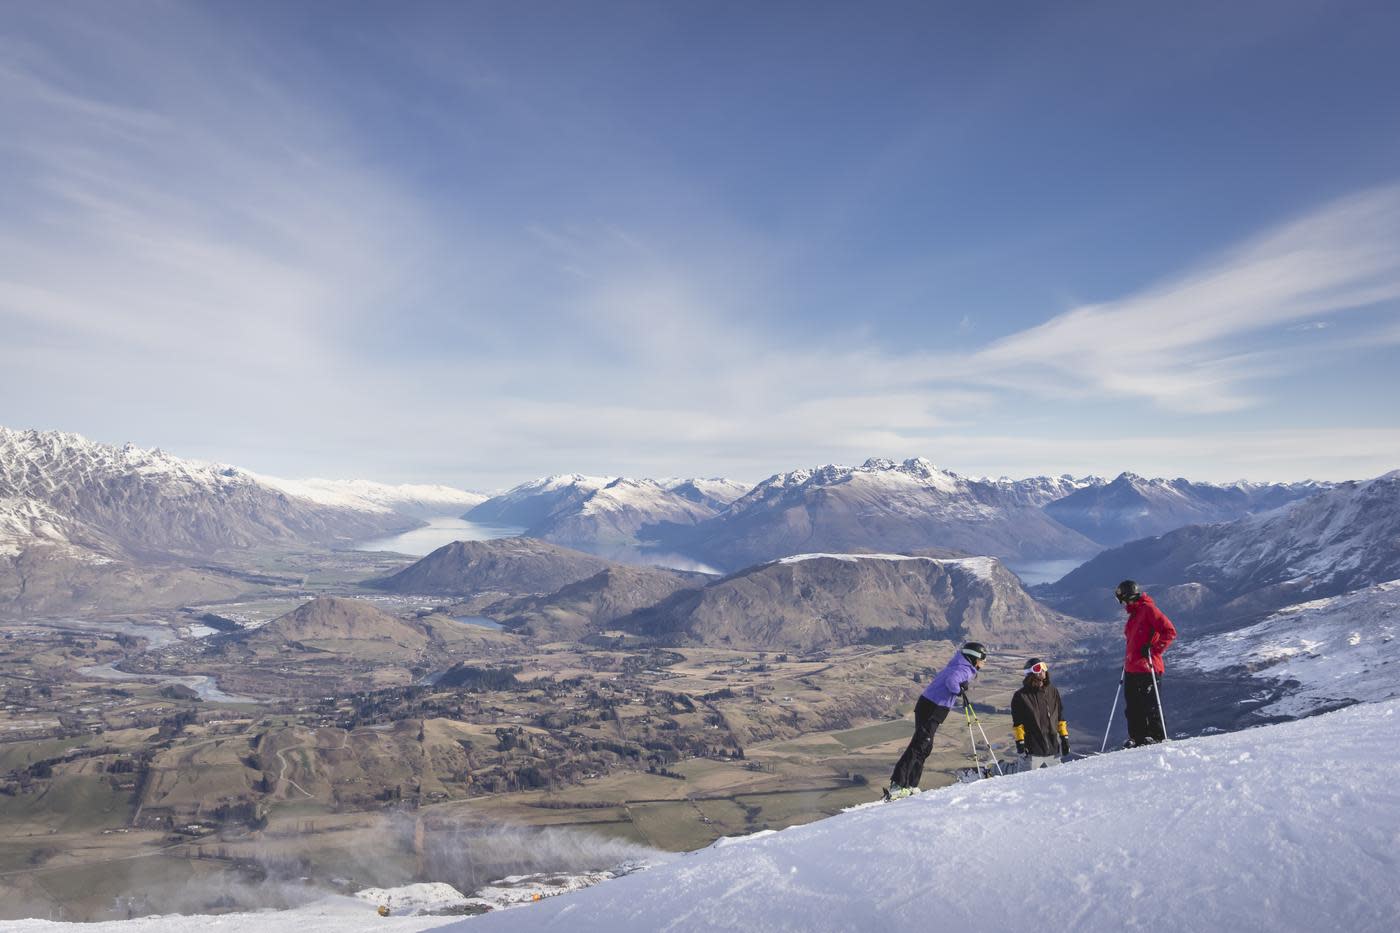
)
(1128, 591)
(974, 651)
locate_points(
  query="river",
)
(439, 531)
(201, 684)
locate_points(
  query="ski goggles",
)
(1039, 667)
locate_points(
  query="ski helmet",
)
(974, 651)
(1036, 666)
(1128, 591)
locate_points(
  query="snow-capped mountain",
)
(1338, 540)
(531, 502)
(1133, 507)
(85, 525)
(1039, 491)
(882, 506)
(1287, 828)
(152, 502)
(715, 492)
(603, 514)
(1321, 655)
(412, 499)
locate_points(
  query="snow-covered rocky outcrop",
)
(1282, 828)
(1320, 655)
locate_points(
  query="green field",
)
(877, 734)
(70, 803)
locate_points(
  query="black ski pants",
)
(1140, 706)
(928, 716)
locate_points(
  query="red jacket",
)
(1147, 625)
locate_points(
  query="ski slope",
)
(1291, 827)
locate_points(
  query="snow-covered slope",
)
(1292, 827)
(369, 496)
(1289, 827)
(531, 502)
(1322, 654)
(1040, 491)
(1134, 507)
(716, 492)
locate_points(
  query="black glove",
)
(1021, 749)
(1147, 651)
(1064, 745)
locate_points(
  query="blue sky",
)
(477, 242)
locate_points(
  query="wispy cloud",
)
(199, 251)
(1184, 344)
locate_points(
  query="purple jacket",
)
(949, 683)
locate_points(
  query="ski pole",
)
(1111, 711)
(972, 740)
(1161, 714)
(990, 751)
(971, 720)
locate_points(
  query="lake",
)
(439, 531)
(1033, 572)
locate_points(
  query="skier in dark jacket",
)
(1147, 633)
(1038, 718)
(945, 692)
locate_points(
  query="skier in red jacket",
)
(1148, 633)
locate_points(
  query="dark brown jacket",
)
(1037, 717)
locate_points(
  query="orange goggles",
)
(1039, 667)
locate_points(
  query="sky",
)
(473, 243)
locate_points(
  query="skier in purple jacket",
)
(947, 691)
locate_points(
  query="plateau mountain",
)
(814, 601)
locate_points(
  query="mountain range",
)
(85, 524)
(881, 506)
(1132, 507)
(1340, 539)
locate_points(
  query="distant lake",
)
(1042, 571)
(439, 531)
(481, 621)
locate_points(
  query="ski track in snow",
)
(1292, 827)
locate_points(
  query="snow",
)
(982, 567)
(1282, 828)
(1290, 827)
(1338, 650)
(423, 897)
(368, 496)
